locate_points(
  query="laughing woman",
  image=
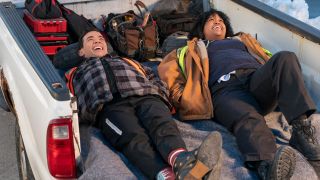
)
(233, 79)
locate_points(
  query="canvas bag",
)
(43, 9)
(133, 36)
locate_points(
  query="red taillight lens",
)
(60, 149)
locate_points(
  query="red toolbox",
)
(51, 37)
(45, 25)
(51, 48)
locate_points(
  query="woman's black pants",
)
(241, 103)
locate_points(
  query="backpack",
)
(133, 36)
(176, 15)
(162, 7)
(171, 23)
(77, 24)
(174, 41)
(43, 9)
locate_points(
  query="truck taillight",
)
(60, 149)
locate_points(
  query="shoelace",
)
(308, 130)
(166, 174)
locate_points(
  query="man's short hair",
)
(86, 32)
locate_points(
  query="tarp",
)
(101, 161)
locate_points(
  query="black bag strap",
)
(147, 17)
(139, 4)
(121, 19)
(77, 24)
(48, 4)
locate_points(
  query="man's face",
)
(214, 29)
(94, 45)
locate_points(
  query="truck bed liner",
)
(100, 160)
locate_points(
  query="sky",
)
(295, 8)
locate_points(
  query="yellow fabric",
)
(191, 94)
(267, 52)
(181, 57)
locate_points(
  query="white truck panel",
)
(35, 106)
(33, 103)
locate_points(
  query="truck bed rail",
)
(296, 26)
(33, 52)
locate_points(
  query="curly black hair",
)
(197, 30)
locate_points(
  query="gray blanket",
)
(101, 161)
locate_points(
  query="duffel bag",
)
(77, 24)
(43, 9)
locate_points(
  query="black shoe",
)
(281, 168)
(204, 162)
(303, 138)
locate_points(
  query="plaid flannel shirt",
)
(92, 89)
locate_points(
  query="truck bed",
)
(100, 160)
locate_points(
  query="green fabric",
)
(181, 52)
(267, 52)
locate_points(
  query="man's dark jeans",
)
(143, 130)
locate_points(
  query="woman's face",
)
(214, 29)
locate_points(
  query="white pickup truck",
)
(47, 131)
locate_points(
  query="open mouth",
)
(97, 48)
(216, 28)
